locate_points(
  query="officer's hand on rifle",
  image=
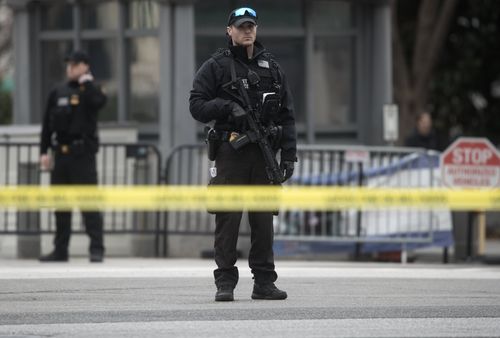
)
(287, 168)
(239, 116)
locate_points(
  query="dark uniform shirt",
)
(210, 100)
(71, 115)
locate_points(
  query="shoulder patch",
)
(221, 52)
(268, 55)
(263, 63)
(271, 59)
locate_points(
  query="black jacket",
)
(430, 141)
(209, 101)
(71, 114)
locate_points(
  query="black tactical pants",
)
(245, 166)
(76, 169)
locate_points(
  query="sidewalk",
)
(132, 297)
(199, 268)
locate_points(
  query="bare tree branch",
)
(401, 77)
(425, 25)
(436, 44)
(412, 76)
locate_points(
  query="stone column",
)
(23, 73)
(176, 73)
(382, 68)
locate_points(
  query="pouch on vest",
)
(270, 106)
(213, 142)
(61, 117)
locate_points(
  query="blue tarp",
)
(412, 161)
(291, 248)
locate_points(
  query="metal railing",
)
(369, 230)
(318, 165)
(117, 164)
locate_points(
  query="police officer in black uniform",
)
(70, 130)
(212, 100)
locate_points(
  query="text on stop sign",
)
(471, 155)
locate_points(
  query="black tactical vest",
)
(63, 115)
(264, 67)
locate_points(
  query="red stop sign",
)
(471, 163)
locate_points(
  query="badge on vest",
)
(62, 101)
(75, 100)
(263, 63)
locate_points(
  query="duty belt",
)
(66, 148)
(63, 148)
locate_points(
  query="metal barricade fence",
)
(133, 164)
(187, 165)
(117, 164)
(335, 166)
(368, 230)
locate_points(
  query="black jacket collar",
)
(240, 52)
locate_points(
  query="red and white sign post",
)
(471, 163)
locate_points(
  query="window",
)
(53, 67)
(132, 53)
(143, 14)
(57, 16)
(332, 69)
(331, 15)
(102, 54)
(144, 62)
(277, 13)
(100, 15)
(212, 14)
(333, 65)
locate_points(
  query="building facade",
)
(336, 53)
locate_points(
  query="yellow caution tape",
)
(255, 198)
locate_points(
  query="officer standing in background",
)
(70, 130)
(423, 135)
(213, 100)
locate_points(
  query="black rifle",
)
(257, 133)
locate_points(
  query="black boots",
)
(54, 257)
(96, 257)
(268, 291)
(57, 257)
(224, 294)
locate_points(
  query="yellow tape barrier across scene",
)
(255, 198)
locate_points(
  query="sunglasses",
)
(244, 11)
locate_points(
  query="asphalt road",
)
(174, 298)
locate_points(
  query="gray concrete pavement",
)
(174, 298)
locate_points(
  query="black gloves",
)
(287, 169)
(239, 116)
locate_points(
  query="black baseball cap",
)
(77, 56)
(241, 15)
